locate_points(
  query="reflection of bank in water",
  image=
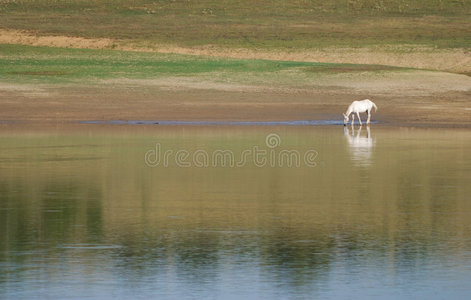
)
(360, 146)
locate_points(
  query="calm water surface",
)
(258, 212)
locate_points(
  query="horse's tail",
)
(374, 105)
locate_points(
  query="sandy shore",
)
(206, 102)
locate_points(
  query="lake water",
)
(106, 211)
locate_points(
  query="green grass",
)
(29, 64)
(71, 64)
(254, 24)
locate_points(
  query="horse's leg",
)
(359, 119)
(369, 117)
(353, 119)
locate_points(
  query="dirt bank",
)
(404, 97)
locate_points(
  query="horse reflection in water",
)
(360, 146)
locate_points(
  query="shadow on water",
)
(116, 226)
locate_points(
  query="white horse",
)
(358, 107)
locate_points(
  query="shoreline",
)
(252, 123)
(256, 110)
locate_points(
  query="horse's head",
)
(345, 119)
